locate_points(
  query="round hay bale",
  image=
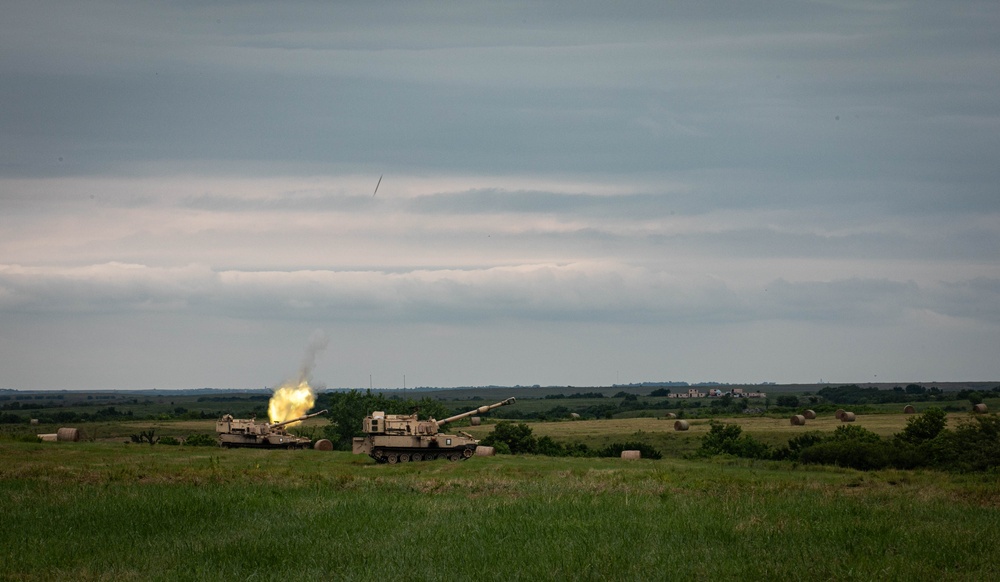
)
(34, 421)
(847, 417)
(798, 420)
(476, 421)
(909, 409)
(809, 414)
(49, 438)
(631, 454)
(681, 425)
(670, 415)
(68, 434)
(483, 451)
(323, 445)
(840, 413)
(979, 408)
(574, 416)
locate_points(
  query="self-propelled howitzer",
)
(393, 438)
(243, 432)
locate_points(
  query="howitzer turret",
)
(393, 438)
(242, 432)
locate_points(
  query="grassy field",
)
(106, 511)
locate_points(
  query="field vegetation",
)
(735, 496)
(107, 511)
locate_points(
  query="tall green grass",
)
(103, 512)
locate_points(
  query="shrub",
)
(861, 455)
(517, 437)
(728, 439)
(200, 440)
(923, 427)
(168, 440)
(974, 445)
(789, 400)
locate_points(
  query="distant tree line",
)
(854, 394)
(925, 442)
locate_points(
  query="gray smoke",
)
(317, 343)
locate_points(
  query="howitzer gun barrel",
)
(303, 417)
(480, 410)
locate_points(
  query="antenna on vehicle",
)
(376, 185)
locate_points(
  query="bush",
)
(168, 440)
(923, 427)
(517, 438)
(728, 439)
(200, 440)
(974, 445)
(860, 455)
(787, 400)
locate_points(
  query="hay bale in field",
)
(809, 414)
(979, 408)
(33, 421)
(475, 421)
(798, 420)
(483, 451)
(840, 413)
(670, 415)
(909, 409)
(49, 438)
(323, 445)
(68, 434)
(574, 416)
(847, 417)
(631, 454)
(681, 425)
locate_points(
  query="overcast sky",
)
(572, 193)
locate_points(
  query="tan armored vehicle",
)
(243, 432)
(399, 438)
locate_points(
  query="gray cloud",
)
(599, 175)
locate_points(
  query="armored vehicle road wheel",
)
(416, 457)
(404, 458)
(392, 458)
(454, 457)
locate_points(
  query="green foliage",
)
(728, 439)
(168, 440)
(146, 436)
(924, 427)
(518, 438)
(787, 400)
(974, 445)
(863, 455)
(200, 440)
(853, 432)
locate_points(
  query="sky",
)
(568, 193)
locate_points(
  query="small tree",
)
(923, 427)
(517, 438)
(789, 400)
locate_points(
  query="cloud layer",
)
(670, 191)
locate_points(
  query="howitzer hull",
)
(401, 449)
(271, 441)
